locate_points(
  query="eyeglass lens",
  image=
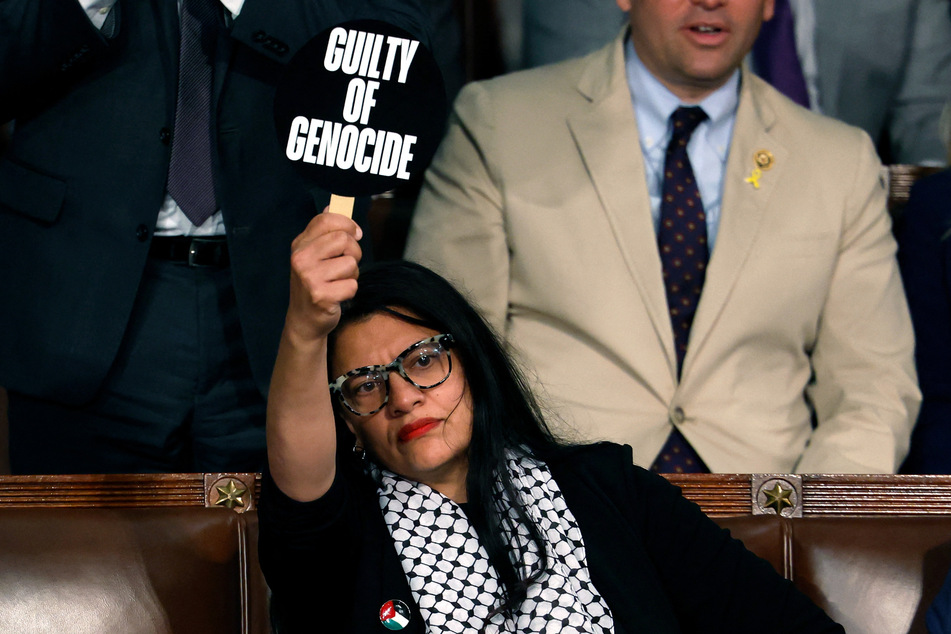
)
(425, 366)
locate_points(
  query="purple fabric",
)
(775, 58)
(190, 181)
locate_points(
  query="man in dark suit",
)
(133, 338)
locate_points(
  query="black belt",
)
(209, 251)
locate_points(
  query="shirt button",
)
(142, 233)
(165, 136)
(679, 415)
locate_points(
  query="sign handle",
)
(342, 205)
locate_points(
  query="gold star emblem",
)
(230, 495)
(777, 498)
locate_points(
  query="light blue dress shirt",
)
(708, 147)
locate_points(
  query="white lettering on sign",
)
(359, 100)
(372, 60)
(348, 147)
(358, 53)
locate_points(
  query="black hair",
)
(505, 414)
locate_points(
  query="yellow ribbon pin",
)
(755, 176)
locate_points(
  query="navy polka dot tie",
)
(682, 241)
(677, 456)
(190, 181)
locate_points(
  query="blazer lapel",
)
(164, 15)
(606, 136)
(223, 49)
(743, 208)
(380, 572)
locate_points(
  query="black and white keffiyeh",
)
(449, 572)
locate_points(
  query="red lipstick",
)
(417, 428)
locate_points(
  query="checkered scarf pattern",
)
(449, 572)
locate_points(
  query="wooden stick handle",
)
(342, 205)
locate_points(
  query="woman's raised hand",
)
(324, 268)
(301, 441)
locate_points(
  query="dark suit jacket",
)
(924, 254)
(658, 561)
(84, 177)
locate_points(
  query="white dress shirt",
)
(709, 145)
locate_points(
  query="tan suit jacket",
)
(537, 204)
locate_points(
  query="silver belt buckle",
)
(193, 254)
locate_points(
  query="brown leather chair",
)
(130, 554)
(872, 551)
(163, 553)
(177, 570)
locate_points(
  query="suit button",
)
(679, 415)
(259, 36)
(165, 136)
(142, 233)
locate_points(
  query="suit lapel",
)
(743, 208)
(164, 15)
(222, 61)
(380, 571)
(606, 137)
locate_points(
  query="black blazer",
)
(84, 176)
(658, 561)
(924, 255)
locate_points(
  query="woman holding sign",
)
(458, 511)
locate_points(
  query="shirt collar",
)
(654, 103)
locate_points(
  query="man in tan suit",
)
(544, 202)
